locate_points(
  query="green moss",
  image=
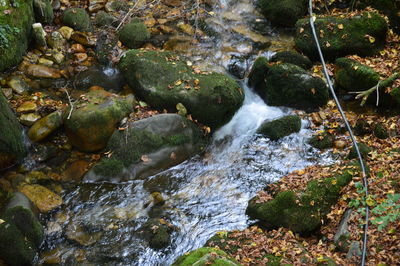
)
(351, 75)
(160, 238)
(281, 127)
(12, 148)
(361, 127)
(304, 211)
(283, 12)
(15, 249)
(134, 34)
(258, 74)
(120, 5)
(273, 260)
(205, 256)
(292, 58)
(103, 19)
(322, 142)
(338, 42)
(15, 29)
(43, 11)
(364, 150)
(290, 85)
(109, 167)
(77, 18)
(163, 80)
(380, 131)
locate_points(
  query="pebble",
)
(83, 39)
(29, 119)
(18, 85)
(96, 5)
(40, 71)
(66, 32)
(56, 40)
(27, 107)
(80, 57)
(77, 48)
(45, 62)
(339, 144)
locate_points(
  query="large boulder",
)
(362, 34)
(12, 148)
(206, 256)
(283, 12)
(21, 233)
(291, 86)
(16, 21)
(301, 211)
(147, 147)
(292, 58)
(94, 119)
(281, 127)
(163, 80)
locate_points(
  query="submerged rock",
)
(109, 79)
(94, 119)
(45, 126)
(21, 234)
(147, 147)
(283, 12)
(15, 29)
(12, 147)
(77, 18)
(289, 85)
(363, 35)
(280, 127)
(206, 256)
(163, 80)
(134, 34)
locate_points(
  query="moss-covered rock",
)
(280, 127)
(380, 131)
(292, 58)
(206, 256)
(42, 128)
(301, 211)
(322, 142)
(12, 147)
(363, 34)
(147, 147)
(290, 85)
(283, 12)
(361, 127)
(134, 34)
(15, 27)
(43, 198)
(351, 75)
(119, 5)
(104, 19)
(77, 18)
(43, 11)
(163, 80)
(21, 234)
(258, 74)
(94, 119)
(363, 148)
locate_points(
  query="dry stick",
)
(381, 84)
(70, 104)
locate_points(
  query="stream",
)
(203, 195)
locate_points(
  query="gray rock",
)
(342, 233)
(354, 250)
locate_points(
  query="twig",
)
(71, 105)
(127, 15)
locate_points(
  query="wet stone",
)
(18, 85)
(77, 48)
(45, 126)
(29, 119)
(45, 62)
(56, 40)
(77, 233)
(44, 199)
(66, 32)
(83, 39)
(80, 57)
(27, 107)
(39, 35)
(40, 71)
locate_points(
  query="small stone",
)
(76, 171)
(83, 39)
(7, 92)
(66, 32)
(29, 119)
(18, 85)
(40, 71)
(44, 199)
(39, 35)
(58, 57)
(339, 144)
(80, 57)
(96, 5)
(27, 107)
(45, 126)
(56, 40)
(45, 62)
(77, 48)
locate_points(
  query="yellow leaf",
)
(334, 181)
(371, 39)
(340, 26)
(370, 201)
(178, 82)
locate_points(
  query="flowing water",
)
(203, 195)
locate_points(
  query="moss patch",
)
(292, 58)
(283, 12)
(77, 18)
(134, 34)
(205, 256)
(281, 127)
